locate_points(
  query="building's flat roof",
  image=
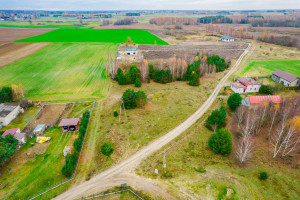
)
(69, 122)
(238, 85)
(227, 37)
(248, 81)
(7, 108)
(285, 76)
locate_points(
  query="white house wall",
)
(252, 88)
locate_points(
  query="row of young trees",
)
(281, 123)
(71, 159)
(229, 30)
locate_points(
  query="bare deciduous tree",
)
(244, 149)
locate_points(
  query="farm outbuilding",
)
(69, 124)
(21, 137)
(227, 39)
(285, 79)
(9, 112)
(245, 85)
(250, 100)
(39, 129)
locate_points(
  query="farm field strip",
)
(108, 36)
(62, 71)
(22, 52)
(266, 67)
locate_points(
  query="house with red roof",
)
(69, 124)
(21, 137)
(245, 85)
(252, 100)
(285, 79)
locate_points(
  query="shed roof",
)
(69, 122)
(39, 127)
(285, 76)
(20, 135)
(265, 98)
(10, 131)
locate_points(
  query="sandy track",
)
(22, 52)
(113, 176)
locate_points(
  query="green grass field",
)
(62, 71)
(109, 35)
(266, 67)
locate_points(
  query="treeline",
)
(276, 23)
(173, 20)
(229, 30)
(133, 14)
(176, 69)
(279, 40)
(71, 159)
(214, 19)
(125, 21)
(7, 147)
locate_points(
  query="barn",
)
(227, 39)
(69, 124)
(285, 79)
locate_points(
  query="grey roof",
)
(20, 136)
(6, 108)
(285, 76)
(69, 122)
(227, 38)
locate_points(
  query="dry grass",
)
(190, 152)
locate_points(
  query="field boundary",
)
(74, 173)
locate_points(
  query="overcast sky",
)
(149, 4)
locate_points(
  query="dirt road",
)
(117, 174)
(19, 53)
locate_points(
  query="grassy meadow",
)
(194, 171)
(266, 67)
(86, 35)
(62, 71)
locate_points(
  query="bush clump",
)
(129, 77)
(134, 99)
(116, 113)
(221, 142)
(162, 76)
(217, 119)
(265, 89)
(137, 83)
(107, 148)
(234, 101)
(7, 147)
(263, 175)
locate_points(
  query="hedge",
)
(71, 159)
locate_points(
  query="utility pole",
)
(122, 104)
(164, 162)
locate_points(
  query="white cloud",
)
(150, 4)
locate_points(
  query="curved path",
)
(112, 176)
